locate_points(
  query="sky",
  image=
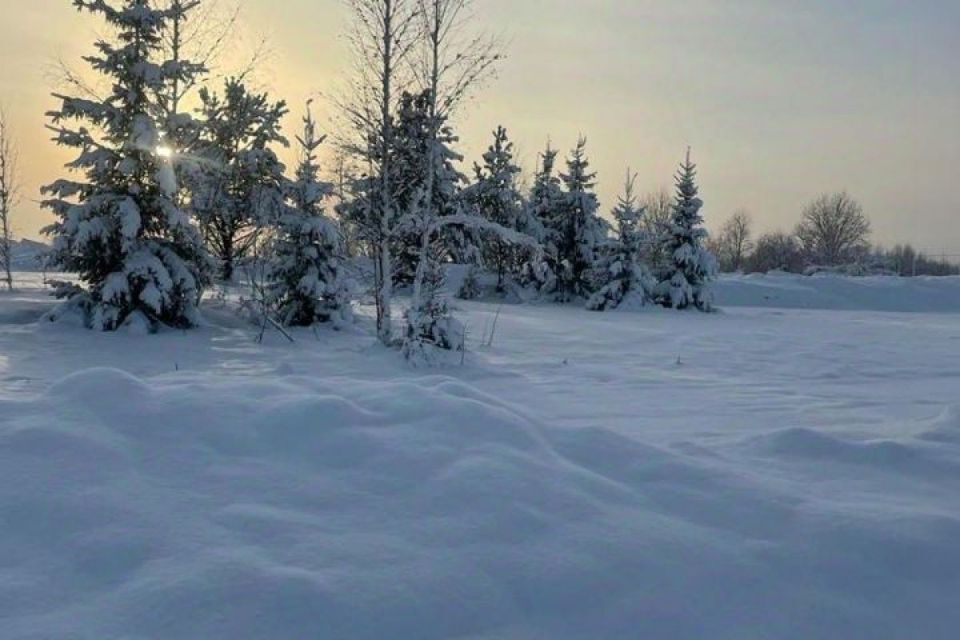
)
(780, 100)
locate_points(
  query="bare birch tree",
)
(383, 39)
(9, 190)
(451, 64)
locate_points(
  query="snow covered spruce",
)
(139, 257)
(685, 281)
(623, 278)
(306, 275)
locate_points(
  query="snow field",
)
(751, 474)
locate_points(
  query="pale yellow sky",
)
(780, 99)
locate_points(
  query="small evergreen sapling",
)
(306, 276)
(686, 280)
(623, 278)
(431, 328)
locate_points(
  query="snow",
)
(829, 291)
(755, 473)
(27, 255)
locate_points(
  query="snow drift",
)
(836, 292)
(330, 508)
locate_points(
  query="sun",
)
(164, 152)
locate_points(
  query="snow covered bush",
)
(622, 278)
(431, 329)
(685, 282)
(306, 280)
(470, 288)
(139, 258)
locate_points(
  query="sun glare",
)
(164, 152)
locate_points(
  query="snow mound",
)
(304, 507)
(100, 386)
(909, 456)
(945, 428)
(837, 292)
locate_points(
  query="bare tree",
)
(343, 175)
(733, 243)
(201, 32)
(452, 64)
(384, 37)
(197, 33)
(9, 190)
(655, 223)
(776, 252)
(834, 230)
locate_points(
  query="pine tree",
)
(138, 257)
(307, 283)
(580, 232)
(237, 184)
(494, 195)
(622, 276)
(686, 281)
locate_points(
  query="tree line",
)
(161, 203)
(833, 235)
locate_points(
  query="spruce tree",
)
(542, 222)
(139, 259)
(495, 196)
(237, 185)
(580, 232)
(419, 141)
(307, 283)
(685, 282)
(622, 277)
(428, 189)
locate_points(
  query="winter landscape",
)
(280, 370)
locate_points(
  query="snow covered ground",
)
(758, 473)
